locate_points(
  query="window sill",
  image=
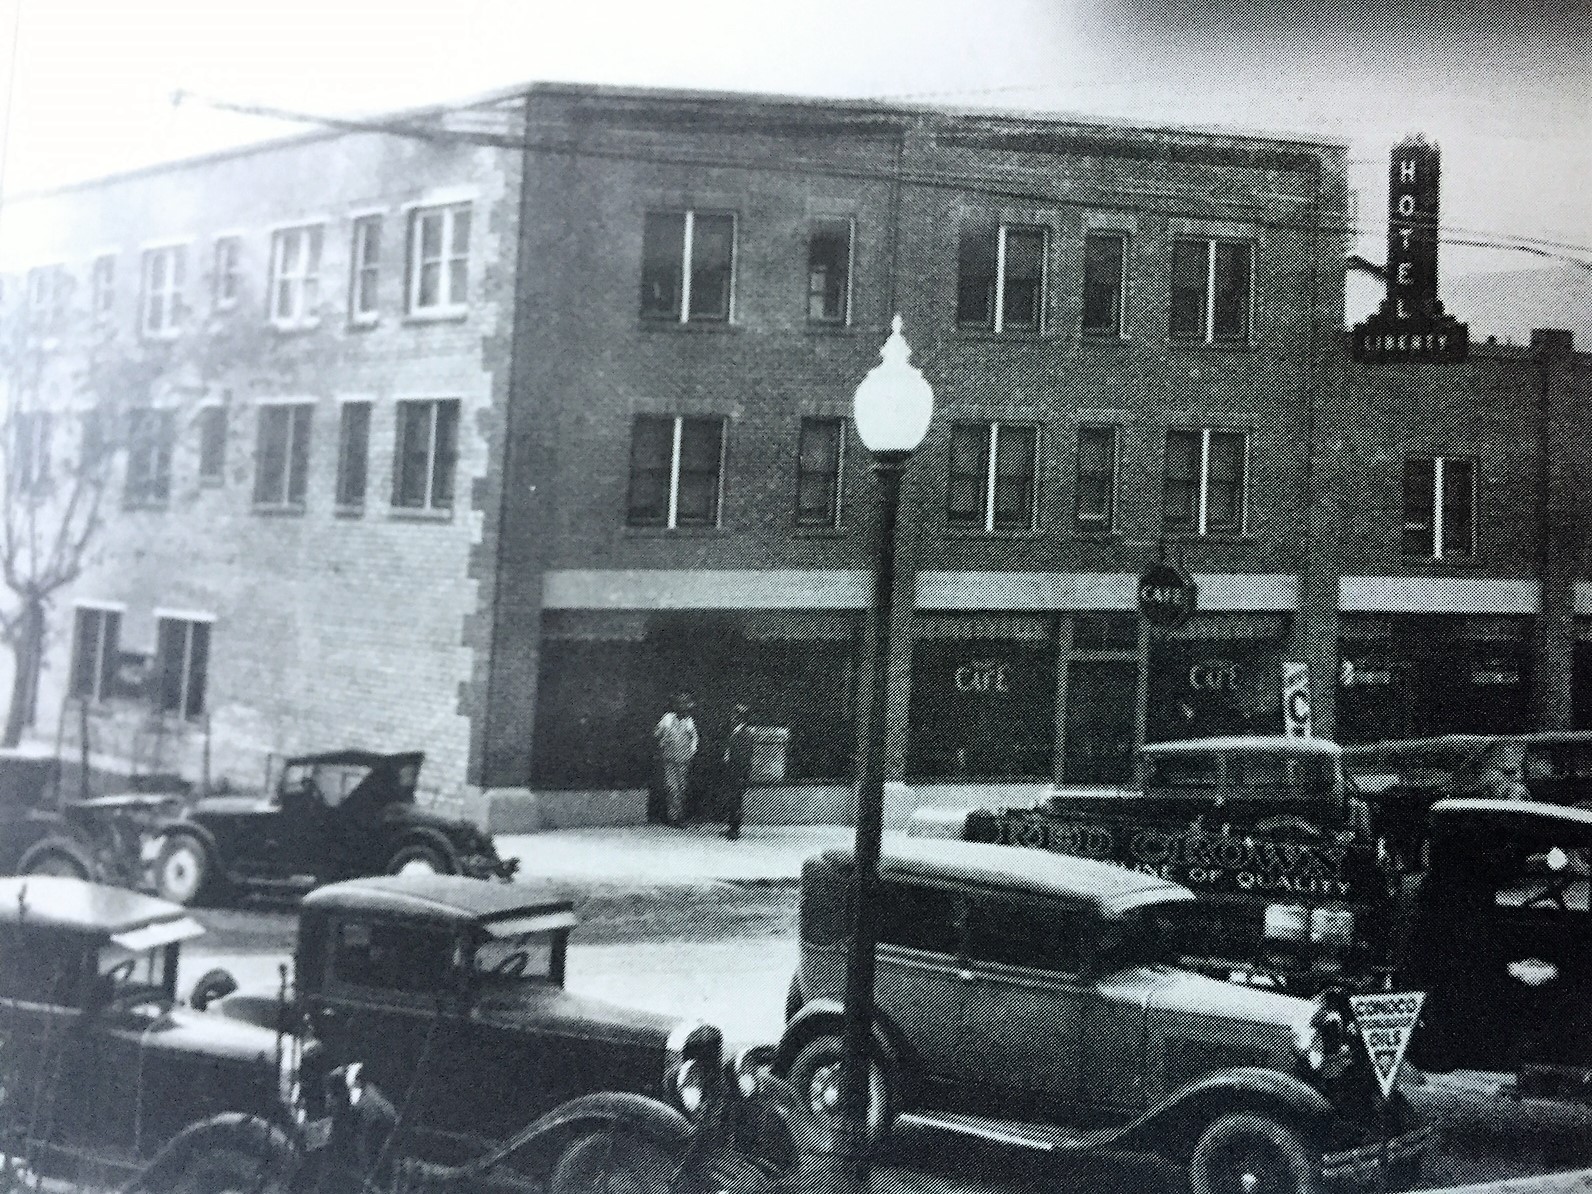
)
(416, 514)
(163, 335)
(440, 315)
(996, 533)
(693, 327)
(1458, 563)
(1212, 537)
(364, 325)
(348, 512)
(672, 532)
(294, 327)
(278, 511)
(1210, 345)
(818, 532)
(1024, 336)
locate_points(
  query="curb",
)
(1569, 1181)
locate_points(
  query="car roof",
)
(1111, 890)
(358, 758)
(78, 906)
(448, 899)
(1533, 813)
(1246, 743)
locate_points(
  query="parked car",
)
(101, 1067)
(1037, 997)
(332, 816)
(451, 991)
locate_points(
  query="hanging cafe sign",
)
(1167, 596)
(1411, 325)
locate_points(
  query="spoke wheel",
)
(818, 1075)
(612, 1163)
(182, 870)
(1251, 1154)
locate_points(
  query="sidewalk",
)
(655, 855)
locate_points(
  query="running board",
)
(1040, 1137)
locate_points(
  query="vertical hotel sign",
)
(1411, 325)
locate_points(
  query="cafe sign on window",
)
(983, 676)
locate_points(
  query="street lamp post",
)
(892, 408)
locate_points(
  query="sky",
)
(1503, 86)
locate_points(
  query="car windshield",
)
(126, 978)
(1150, 936)
(328, 782)
(526, 957)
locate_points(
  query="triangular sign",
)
(1386, 1023)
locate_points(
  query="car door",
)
(387, 1001)
(917, 983)
(43, 987)
(1024, 1001)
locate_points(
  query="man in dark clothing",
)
(737, 768)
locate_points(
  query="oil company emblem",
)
(1386, 1023)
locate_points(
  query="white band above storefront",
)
(1218, 591)
(1438, 595)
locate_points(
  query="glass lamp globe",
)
(893, 403)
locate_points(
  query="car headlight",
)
(690, 1086)
(1287, 922)
(1321, 1037)
(1332, 927)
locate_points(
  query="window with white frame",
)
(819, 459)
(439, 259)
(1439, 507)
(161, 305)
(1096, 499)
(364, 270)
(1203, 492)
(282, 454)
(688, 266)
(1001, 277)
(151, 432)
(353, 455)
(676, 471)
(426, 455)
(102, 284)
(182, 664)
(295, 275)
(30, 448)
(96, 652)
(225, 280)
(1211, 289)
(829, 271)
(993, 468)
(1104, 282)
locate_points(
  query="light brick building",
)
(604, 381)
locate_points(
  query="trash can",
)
(770, 745)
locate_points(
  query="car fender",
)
(605, 1110)
(248, 1134)
(423, 835)
(826, 1017)
(60, 843)
(171, 826)
(1172, 1125)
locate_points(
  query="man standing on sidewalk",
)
(737, 769)
(676, 739)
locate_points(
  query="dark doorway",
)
(1101, 702)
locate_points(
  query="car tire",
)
(612, 1162)
(816, 1074)
(182, 871)
(50, 858)
(227, 1171)
(1245, 1153)
(421, 858)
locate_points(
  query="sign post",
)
(1386, 1022)
(1296, 700)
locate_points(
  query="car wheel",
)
(52, 860)
(419, 859)
(1251, 1154)
(183, 869)
(816, 1075)
(227, 1171)
(612, 1163)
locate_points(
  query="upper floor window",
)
(427, 453)
(150, 435)
(49, 292)
(353, 455)
(1001, 278)
(829, 271)
(1104, 278)
(102, 284)
(676, 471)
(819, 457)
(439, 259)
(1097, 479)
(282, 454)
(30, 463)
(182, 661)
(225, 280)
(295, 275)
(212, 422)
(1211, 282)
(365, 270)
(1203, 493)
(992, 476)
(96, 647)
(161, 309)
(1439, 507)
(687, 265)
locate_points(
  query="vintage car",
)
(101, 1067)
(1037, 998)
(1281, 849)
(451, 991)
(332, 816)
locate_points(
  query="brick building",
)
(604, 382)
